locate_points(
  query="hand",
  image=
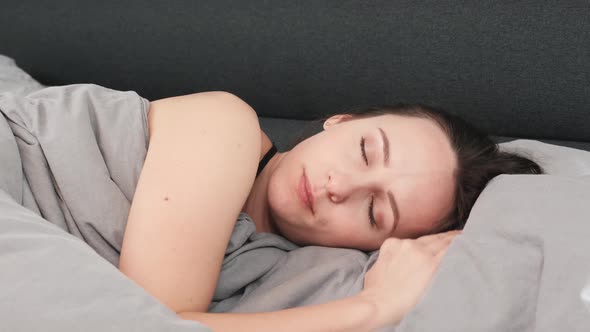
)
(403, 270)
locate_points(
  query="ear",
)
(335, 119)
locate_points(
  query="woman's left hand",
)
(403, 270)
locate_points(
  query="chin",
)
(288, 221)
(282, 226)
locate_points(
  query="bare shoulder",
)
(232, 108)
(211, 106)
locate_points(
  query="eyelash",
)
(364, 154)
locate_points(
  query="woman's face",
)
(407, 179)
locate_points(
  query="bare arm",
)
(354, 314)
(392, 287)
(200, 166)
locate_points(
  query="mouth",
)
(304, 192)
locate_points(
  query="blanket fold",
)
(82, 147)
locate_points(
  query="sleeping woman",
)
(399, 178)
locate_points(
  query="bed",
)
(521, 264)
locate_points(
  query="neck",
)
(256, 205)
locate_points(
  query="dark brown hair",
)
(478, 157)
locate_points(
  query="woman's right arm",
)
(200, 166)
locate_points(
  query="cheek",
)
(344, 222)
(274, 190)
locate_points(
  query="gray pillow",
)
(555, 159)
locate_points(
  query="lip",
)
(304, 192)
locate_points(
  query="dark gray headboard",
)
(515, 68)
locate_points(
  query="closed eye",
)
(371, 215)
(372, 220)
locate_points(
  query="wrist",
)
(384, 311)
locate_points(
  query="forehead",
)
(419, 141)
(417, 145)
(403, 121)
(409, 130)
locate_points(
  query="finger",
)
(426, 240)
(435, 236)
(436, 246)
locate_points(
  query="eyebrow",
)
(385, 147)
(395, 211)
(392, 201)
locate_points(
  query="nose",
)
(341, 186)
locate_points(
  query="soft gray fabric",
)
(53, 282)
(555, 159)
(13, 78)
(82, 147)
(585, 295)
(248, 257)
(308, 275)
